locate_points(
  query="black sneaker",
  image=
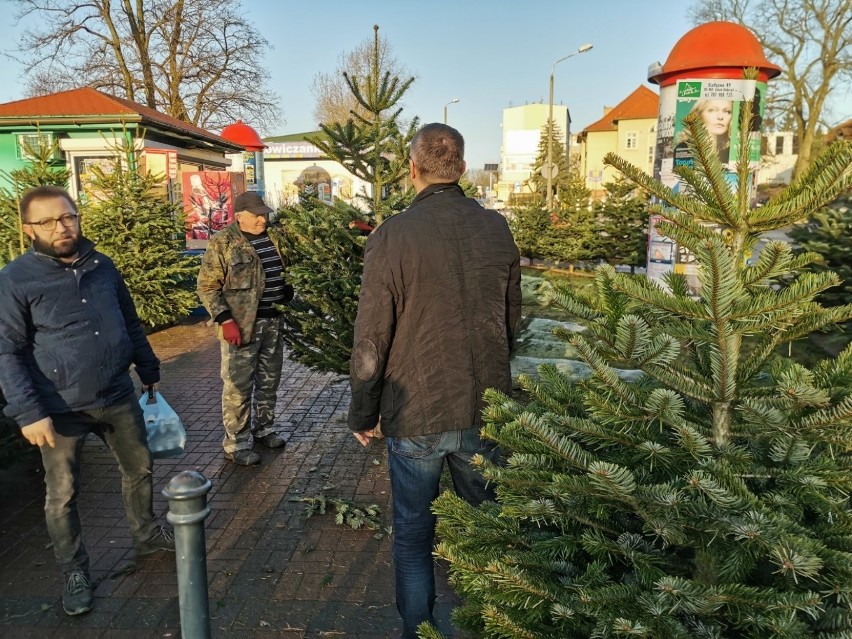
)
(77, 596)
(162, 539)
(272, 440)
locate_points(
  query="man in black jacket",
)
(68, 334)
(440, 304)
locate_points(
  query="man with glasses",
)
(68, 335)
(241, 283)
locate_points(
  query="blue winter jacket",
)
(68, 334)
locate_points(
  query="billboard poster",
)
(719, 102)
(661, 251)
(208, 204)
(250, 170)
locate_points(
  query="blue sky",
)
(490, 55)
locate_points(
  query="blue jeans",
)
(415, 471)
(122, 428)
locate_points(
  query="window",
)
(795, 144)
(29, 143)
(632, 140)
(779, 145)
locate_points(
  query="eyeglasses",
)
(68, 220)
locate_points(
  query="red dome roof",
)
(715, 47)
(243, 134)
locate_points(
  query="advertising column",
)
(250, 161)
(704, 74)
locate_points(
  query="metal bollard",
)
(187, 495)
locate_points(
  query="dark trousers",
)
(122, 428)
(415, 471)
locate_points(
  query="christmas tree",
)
(574, 236)
(709, 499)
(530, 226)
(325, 248)
(372, 146)
(624, 223)
(135, 225)
(828, 232)
(551, 133)
(325, 251)
(574, 193)
(41, 169)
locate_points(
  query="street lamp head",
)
(582, 49)
(453, 101)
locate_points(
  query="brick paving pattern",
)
(272, 572)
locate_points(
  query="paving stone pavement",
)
(272, 572)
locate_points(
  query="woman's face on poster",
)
(717, 116)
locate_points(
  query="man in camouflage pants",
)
(241, 283)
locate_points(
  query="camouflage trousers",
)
(250, 376)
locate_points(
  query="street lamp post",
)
(550, 169)
(453, 101)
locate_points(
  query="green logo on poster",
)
(689, 90)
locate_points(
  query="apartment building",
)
(522, 128)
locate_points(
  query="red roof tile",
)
(89, 102)
(641, 104)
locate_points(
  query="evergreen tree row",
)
(577, 230)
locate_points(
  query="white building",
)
(522, 128)
(778, 157)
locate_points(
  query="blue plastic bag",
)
(166, 435)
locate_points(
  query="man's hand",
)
(365, 436)
(153, 388)
(231, 333)
(40, 433)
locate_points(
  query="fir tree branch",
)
(605, 373)
(687, 383)
(648, 293)
(769, 306)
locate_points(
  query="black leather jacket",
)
(440, 304)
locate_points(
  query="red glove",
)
(231, 333)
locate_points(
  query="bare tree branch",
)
(334, 99)
(199, 62)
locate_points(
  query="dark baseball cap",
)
(251, 202)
